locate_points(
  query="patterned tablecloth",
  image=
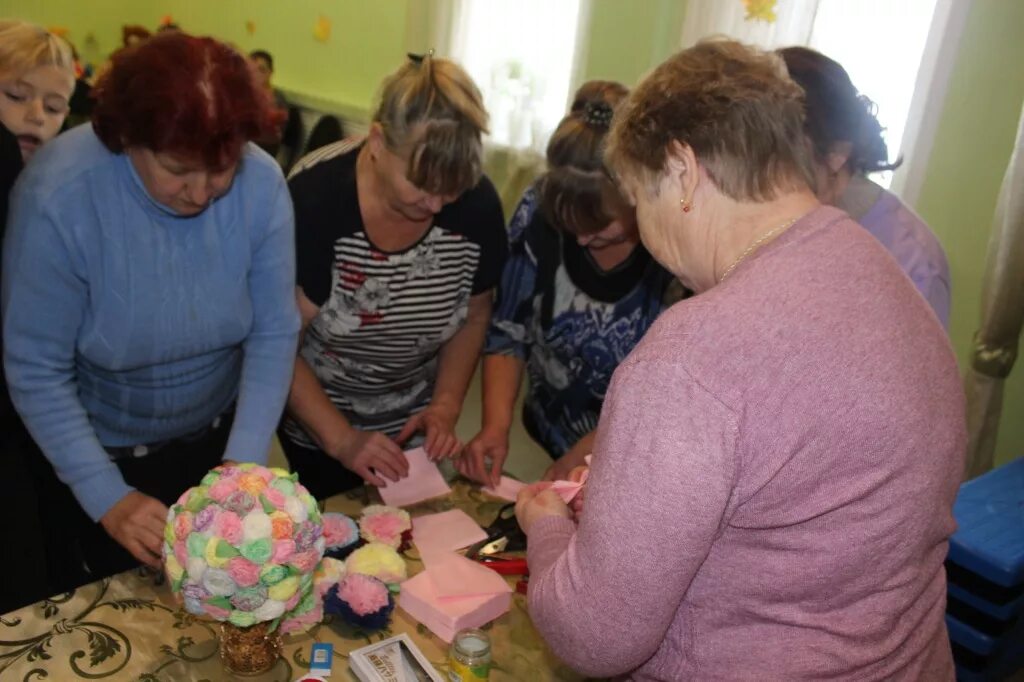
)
(129, 628)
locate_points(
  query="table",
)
(129, 627)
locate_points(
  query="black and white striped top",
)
(384, 315)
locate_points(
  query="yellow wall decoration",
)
(760, 10)
(322, 29)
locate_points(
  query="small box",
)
(447, 615)
(321, 659)
(396, 659)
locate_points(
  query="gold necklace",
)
(750, 249)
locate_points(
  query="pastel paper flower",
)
(306, 534)
(292, 602)
(194, 606)
(255, 526)
(296, 509)
(282, 551)
(365, 595)
(204, 518)
(275, 497)
(181, 552)
(240, 502)
(252, 483)
(218, 582)
(257, 551)
(327, 574)
(281, 526)
(305, 561)
(284, 590)
(379, 561)
(220, 490)
(213, 558)
(196, 544)
(195, 567)
(249, 598)
(229, 526)
(285, 485)
(272, 574)
(384, 524)
(216, 612)
(302, 622)
(175, 571)
(243, 571)
(269, 610)
(183, 525)
(194, 591)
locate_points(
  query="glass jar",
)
(469, 658)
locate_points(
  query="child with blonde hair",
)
(37, 77)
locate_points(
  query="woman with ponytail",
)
(578, 292)
(400, 241)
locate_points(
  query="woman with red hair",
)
(148, 294)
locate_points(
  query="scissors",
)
(504, 535)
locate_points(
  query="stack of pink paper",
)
(445, 531)
(453, 593)
(423, 482)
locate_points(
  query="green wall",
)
(367, 37)
(972, 147)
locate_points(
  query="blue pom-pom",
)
(377, 620)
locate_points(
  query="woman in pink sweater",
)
(776, 461)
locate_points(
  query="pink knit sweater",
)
(772, 484)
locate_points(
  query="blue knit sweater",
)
(127, 324)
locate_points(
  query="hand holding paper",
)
(540, 500)
(423, 482)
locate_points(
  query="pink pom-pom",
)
(305, 561)
(216, 612)
(229, 526)
(293, 601)
(181, 552)
(338, 531)
(282, 552)
(274, 497)
(365, 595)
(183, 525)
(220, 490)
(243, 571)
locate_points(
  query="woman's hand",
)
(437, 422)
(574, 457)
(372, 455)
(577, 475)
(491, 444)
(137, 522)
(537, 501)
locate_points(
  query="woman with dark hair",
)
(578, 292)
(148, 294)
(849, 144)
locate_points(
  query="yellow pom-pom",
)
(174, 569)
(210, 554)
(379, 561)
(284, 590)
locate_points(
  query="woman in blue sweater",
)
(150, 322)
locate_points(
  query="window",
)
(890, 48)
(522, 54)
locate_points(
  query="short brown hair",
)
(577, 194)
(734, 105)
(432, 110)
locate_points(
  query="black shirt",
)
(384, 315)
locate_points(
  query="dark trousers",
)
(322, 475)
(78, 550)
(24, 579)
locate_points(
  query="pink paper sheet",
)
(423, 482)
(567, 490)
(507, 489)
(447, 615)
(447, 531)
(453, 575)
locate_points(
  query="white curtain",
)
(794, 20)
